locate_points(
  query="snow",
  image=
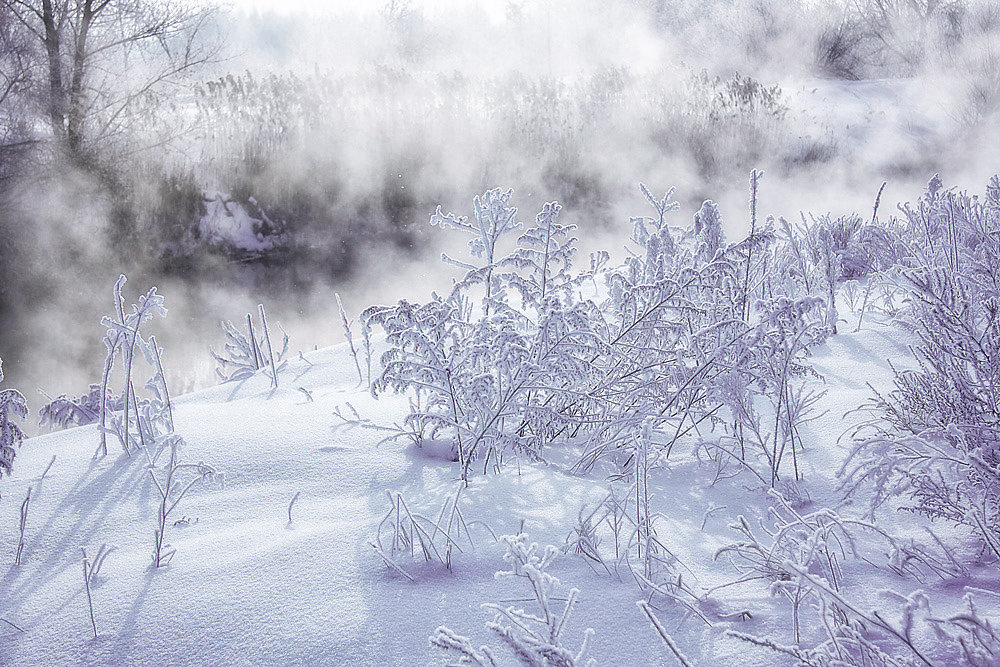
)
(246, 587)
(230, 224)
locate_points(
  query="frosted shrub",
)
(64, 412)
(856, 636)
(672, 319)
(245, 354)
(534, 637)
(13, 406)
(934, 438)
(429, 352)
(122, 338)
(802, 555)
(494, 380)
(679, 317)
(788, 541)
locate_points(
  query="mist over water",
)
(350, 128)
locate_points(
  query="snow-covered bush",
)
(859, 637)
(13, 406)
(803, 556)
(495, 380)
(683, 313)
(788, 540)
(534, 638)
(246, 354)
(671, 320)
(64, 412)
(935, 438)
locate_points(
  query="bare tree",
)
(15, 82)
(105, 61)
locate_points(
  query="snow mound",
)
(241, 227)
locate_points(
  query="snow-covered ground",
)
(248, 587)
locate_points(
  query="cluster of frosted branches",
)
(934, 440)
(685, 325)
(495, 380)
(403, 531)
(533, 637)
(855, 636)
(64, 412)
(12, 406)
(141, 421)
(245, 354)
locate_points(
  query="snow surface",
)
(247, 588)
(232, 225)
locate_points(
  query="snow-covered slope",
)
(246, 587)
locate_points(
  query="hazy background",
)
(347, 126)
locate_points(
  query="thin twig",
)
(48, 467)
(667, 639)
(294, 498)
(86, 584)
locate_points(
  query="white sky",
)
(493, 7)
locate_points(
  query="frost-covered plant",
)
(656, 570)
(769, 367)
(542, 261)
(974, 638)
(855, 636)
(662, 631)
(534, 638)
(412, 532)
(348, 336)
(789, 540)
(244, 354)
(708, 230)
(500, 378)
(494, 380)
(910, 558)
(13, 406)
(745, 297)
(626, 513)
(91, 571)
(648, 548)
(427, 353)
(494, 219)
(123, 338)
(934, 439)
(940, 474)
(171, 486)
(65, 412)
(22, 524)
(614, 515)
(670, 320)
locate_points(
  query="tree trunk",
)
(57, 94)
(75, 112)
